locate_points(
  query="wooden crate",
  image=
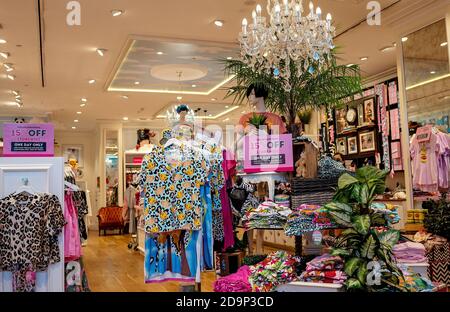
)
(228, 263)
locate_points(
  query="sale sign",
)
(28, 140)
(268, 153)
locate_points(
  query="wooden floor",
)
(112, 267)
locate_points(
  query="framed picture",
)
(73, 152)
(352, 144)
(367, 112)
(341, 122)
(341, 147)
(367, 142)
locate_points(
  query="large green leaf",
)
(377, 219)
(353, 284)
(389, 238)
(361, 224)
(341, 218)
(340, 252)
(339, 207)
(352, 265)
(368, 248)
(362, 272)
(346, 180)
(364, 194)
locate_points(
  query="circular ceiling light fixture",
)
(160, 53)
(125, 118)
(5, 55)
(125, 97)
(364, 58)
(82, 104)
(116, 13)
(2, 41)
(79, 113)
(404, 39)
(101, 51)
(219, 23)
(444, 44)
(137, 83)
(92, 81)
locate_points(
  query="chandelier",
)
(289, 38)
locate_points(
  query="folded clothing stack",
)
(390, 212)
(414, 282)
(410, 252)
(308, 218)
(268, 215)
(277, 269)
(325, 269)
(283, 200)
(237, 282)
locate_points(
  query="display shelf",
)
(413, 227)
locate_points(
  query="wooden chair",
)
(110, 218)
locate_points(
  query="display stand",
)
(44, 175)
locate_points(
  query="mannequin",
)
(143, 140)
(183, 128)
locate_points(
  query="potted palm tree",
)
(321, 86)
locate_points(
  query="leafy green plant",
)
(305, 116)
(437, 220)
(326, 86)
(257, 120)
(360, 244)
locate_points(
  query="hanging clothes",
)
(29, 229)
(207, 228)
(72, 242)
(80, 202)
(229, 170)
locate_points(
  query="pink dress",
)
(425, 164)
(229, 169)
(72, 243)
(443, 160)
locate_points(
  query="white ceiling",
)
(70, 59)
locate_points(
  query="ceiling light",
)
(243, 112)
(7, 65)
(432, 72)
(101, 52)
(83, 100)
(226, 119)
(5, 55)
(137, 83)
(218, 23)
(365, 58)
(444, 44)
(226, 106)
(79, 113)
(179, 98)
(213, 99)
(125, 118)
(116, 13)
(229, 58)
(18, 96)
(387, 49)
(2, 40)
(74, 128)
(12, 77)
(82, 105)
(194, 86)
(19, 105)
(350, 65)
(9, 69)
(76, 120)
(91, 81)
(404, 39)
(160, 53)
(15, 92)
(125, 97)
(18, 100)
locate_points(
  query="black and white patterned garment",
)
(328, 168)
(80, 202)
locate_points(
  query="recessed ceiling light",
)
(404, 39)
(2, 40)
(116, 13)
(15, 92)
(79, 113)
(82, 105)
(125, 118)
(91, 81)
(76, 120)
(179, 98)
(160, 53)
(83, 100)
(18, 100)
(74, 128)
(226, 119)
(444, 44)
(432, 72)
(125, 97)
(243, 112)
(137, 83)
(194, 86)
(350, 65)
(387, 49)
(12, 77)
(9, 69)
(18, 96)
(365, 58)
(101, 52)
(5, 55)
(218, 23)
(229, 58)
(226, 106)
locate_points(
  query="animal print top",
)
(29, 229)
(172, 191)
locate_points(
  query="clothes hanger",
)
(25, 187)
(71, 186)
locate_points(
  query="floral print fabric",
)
(171, 191)
(325, 269)
(308, 218)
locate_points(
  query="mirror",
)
(112, 167)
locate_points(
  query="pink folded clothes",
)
(410, 252)
(237, 282)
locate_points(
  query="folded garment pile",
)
(237, 282)
(413, 282)
(308, 218)
(277, 269)
(410, 252)
(390, 212)
(283, 200)
(325, 269)
(268, 215)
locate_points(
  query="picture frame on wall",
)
(74, 151)
(367, 142)
(341, 122)
(352, 145)
(341, 147)
(367, 115)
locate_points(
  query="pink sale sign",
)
(28, 140)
